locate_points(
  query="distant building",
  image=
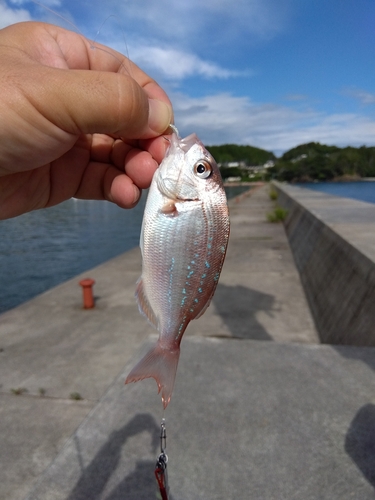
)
(269, 164)
(301, 157)
(251, 170)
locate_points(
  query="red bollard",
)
(88, 298)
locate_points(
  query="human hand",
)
(75, 121)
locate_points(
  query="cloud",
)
(166, 64)
(364, 97)
(15, 11)
(176, 64)
(224, 118)
(9, 15)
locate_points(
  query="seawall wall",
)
(333, 244)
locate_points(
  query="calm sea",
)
(41, 249)
(363, 190)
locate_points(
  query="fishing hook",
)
(161, 464)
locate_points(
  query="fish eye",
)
(202, 169)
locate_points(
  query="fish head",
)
(188, 171)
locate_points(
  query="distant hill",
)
(315, 161)
(249, 155)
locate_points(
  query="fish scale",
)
(184, 237)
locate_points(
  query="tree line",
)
(250, 155)
(315, 161)
(306, 162)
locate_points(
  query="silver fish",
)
(184, 239)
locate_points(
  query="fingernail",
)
(137, 193)
(159, 116)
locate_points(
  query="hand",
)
(76, 120)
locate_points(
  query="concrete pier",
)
(260, 409)
(333, 243)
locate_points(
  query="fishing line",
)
(93, 43)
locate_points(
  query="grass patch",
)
(277, 215)
(273, 194)
(18, 391)
(76, 396)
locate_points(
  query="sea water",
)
(362, 190)
(41, 249)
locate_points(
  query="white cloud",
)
(162, 62)
(223, 118)
(175, 64)
(16, 11)
(10, 15)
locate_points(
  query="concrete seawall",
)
(333, 244)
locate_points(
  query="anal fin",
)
(144, 305)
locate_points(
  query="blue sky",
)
(270, 73)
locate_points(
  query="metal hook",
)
(163, 436)
(161, 463)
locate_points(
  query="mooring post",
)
(88, 297)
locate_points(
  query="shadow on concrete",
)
(360, 442)
(238, 305)
(140, 484)
(364, 354)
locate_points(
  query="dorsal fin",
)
(144, 305)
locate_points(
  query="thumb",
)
(84, 101)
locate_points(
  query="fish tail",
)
(161, 364)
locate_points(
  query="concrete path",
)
(249, 420)
(51, 345)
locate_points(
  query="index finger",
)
(60, 48)
(81, 53)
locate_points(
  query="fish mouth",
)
(172, 189)
(189, 141)
(173, 179)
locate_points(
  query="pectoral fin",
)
(169, 208)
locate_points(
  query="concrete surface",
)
(32, 432)
(248, 420)
(259, 294)
(333, 243)
(262, 404)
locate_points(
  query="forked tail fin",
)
(161, 364)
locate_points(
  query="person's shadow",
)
(360, 442)
(140, 484)
(238, 305)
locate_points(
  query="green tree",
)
(315, 161)
(250, 155)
